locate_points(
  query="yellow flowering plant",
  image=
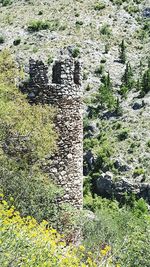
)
(26, 243)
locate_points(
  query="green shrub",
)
(88, 87)
(103, 60)
(99, 70)
(117, 2)
(126, 229)
(122, 52)
(107, 47)
(17, 41)
(127, 80)
(104, 97)
(138, 172)
(2, 40)
(103, 152)
(5, 2)
(148, 144)
(99, 6)
(34, 193)
(23, 127)
(123, 135)
(38, 25)
(40, 13)
(27, 243)
(50, 60)
(79, 23)
(75, 52)
(145, 83)
(105, 30)
(132, 9)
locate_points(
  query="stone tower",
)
(64, 93)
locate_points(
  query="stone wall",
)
(64, 93)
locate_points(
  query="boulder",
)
(89, 161)
(121, 166)
(138, 105)
(105, 184)
(106, 187)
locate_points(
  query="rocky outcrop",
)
(107, 187)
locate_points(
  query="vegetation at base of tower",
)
(25, 242)
(115, 237)
(125, 229)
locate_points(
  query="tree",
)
(27, 135)
(122, 52)
(145, 84)
(127, 80)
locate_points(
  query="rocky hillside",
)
(112, 39)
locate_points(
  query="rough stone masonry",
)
(65, 93)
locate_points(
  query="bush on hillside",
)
(25, 242)
(126, 230)
(38, 25)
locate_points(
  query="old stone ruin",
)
(65, 167)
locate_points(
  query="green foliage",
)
(50, 60)
(118, 108)
(144, 32)
(2, 40)
(105, 30)
(99, 70)
(23, 126)
(103, 152)
(122, 52)
(118, 2)
(79, 23)
(26, 137)
(76, 52)
(8, 70)
(33, 192)
(126, 229)
(145, 83)
(17, 41)
(138, 172)
(148, 143)
(24, 242)
(105, 98)
(99, 6)
(127, 80)
(5, 2)
(132, 9)
(107, 47)
(90, 143)
(124, 134)
(38, 25)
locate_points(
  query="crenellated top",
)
(66, 79)
(66, 71)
